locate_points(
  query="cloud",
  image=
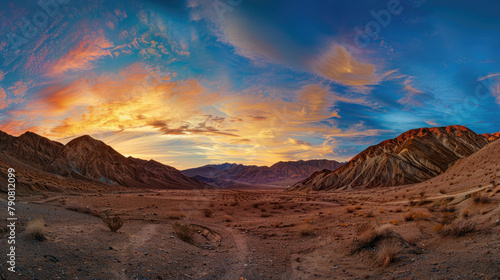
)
(492, 84)
(413, 97)
(19, 88)
(137, 96)
(83, 55)
(3, 96)
(338, 64)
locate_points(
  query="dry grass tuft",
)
(208, 212)
(227, 218)
(184, 232)
(459, 228)
(370, 237)
(387, 252)
(36, 229)
(114, 223)
(480, 198)
(305, 230)
(416, 216)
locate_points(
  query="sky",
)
(195, 82)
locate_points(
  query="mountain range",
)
(86, 158)
(281, 173)
(414, 156)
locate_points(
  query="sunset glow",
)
(255, 82)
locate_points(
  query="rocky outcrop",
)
(412, 157)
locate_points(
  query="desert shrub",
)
(381, 210)
(370, 214)
(36, 229)
(387, 252)
(369, 237)
(113, 223)
(208, 212)
(184, 232)
(227, 218)
(416, 216)
(459, 228)
(394, 222)
(398, 210)
(174, 215)
(443, 191)
(480, 198)
(305, 230)
(447, 208)
(448, 218)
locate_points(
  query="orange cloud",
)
(83, 55)
(3, 96)
(338, 64)
(413, 96)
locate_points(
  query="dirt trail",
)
(441, 196)
(137, 240)
(240, 255)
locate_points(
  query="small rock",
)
(51, 258)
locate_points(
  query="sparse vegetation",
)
(370, 238)
(387, 252)
(480, 198)
(113, 223)
(459, 228)
(416, 216)
(227, 218)
(305, 229)
(36, 229)
(208, 212)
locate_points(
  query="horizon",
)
(69, 139)
(189, 84)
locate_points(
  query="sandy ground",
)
(259, 234)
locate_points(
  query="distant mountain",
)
(280, 173)
(414, 156)
(90, 159)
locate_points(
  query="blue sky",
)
(200, 81)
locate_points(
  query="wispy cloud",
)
(83, 55)
(338, 64)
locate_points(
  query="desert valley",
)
(424, 205)
(249, 139)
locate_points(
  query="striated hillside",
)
(412, 157)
